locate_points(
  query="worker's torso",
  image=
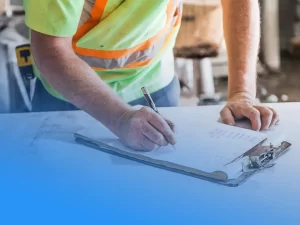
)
(129, 42)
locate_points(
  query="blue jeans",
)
(166, 97)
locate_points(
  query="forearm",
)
(241, 22)
(80, 85)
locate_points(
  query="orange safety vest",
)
(128, 43)
(139, 55)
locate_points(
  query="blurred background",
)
(200, 54)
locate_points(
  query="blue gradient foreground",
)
(59, 182)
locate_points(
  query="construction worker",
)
(95, 55)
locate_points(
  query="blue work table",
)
(45, 177)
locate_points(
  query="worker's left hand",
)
(242, 105)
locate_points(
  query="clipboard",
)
(258, 158)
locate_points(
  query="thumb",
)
(227, 117)
(171, 125)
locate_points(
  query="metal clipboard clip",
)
(264, 156)
(258, 158)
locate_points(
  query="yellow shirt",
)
(128, 43)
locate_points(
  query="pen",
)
(150, 102)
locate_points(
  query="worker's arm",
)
(52, 25)
(78, 83)
(75, 80)
(241, 22)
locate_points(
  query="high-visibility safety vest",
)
(128, 43)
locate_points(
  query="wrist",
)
(243, 85)
(118, 118)
(242, 96)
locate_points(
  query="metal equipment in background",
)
(15, 89)
(196, 52)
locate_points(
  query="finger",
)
(253, 115)
(162, 126)
(275, 118)
(147, 144)
(154, 135)
(226, 116)
(266, 116)
(171, 125)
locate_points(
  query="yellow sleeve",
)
(53, 17)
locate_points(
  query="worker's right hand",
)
(145, 130)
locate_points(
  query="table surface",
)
(46, 176)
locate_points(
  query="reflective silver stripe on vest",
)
(114, 63)
(140, 56)
(86, 11)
